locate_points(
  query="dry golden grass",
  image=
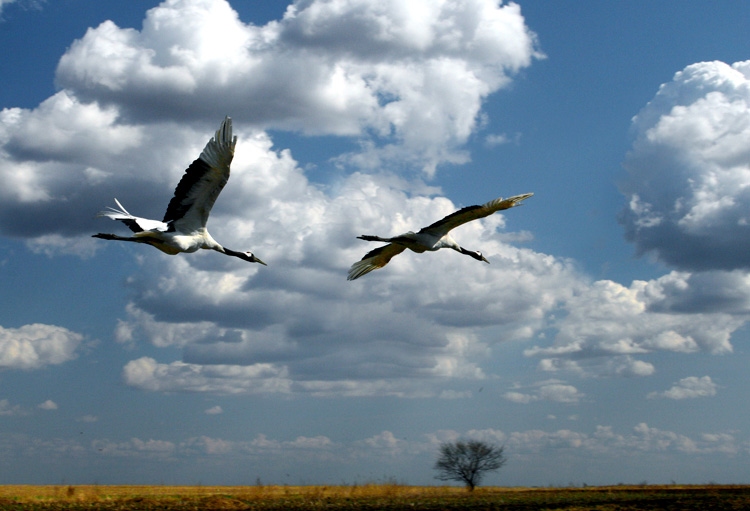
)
(372, 496)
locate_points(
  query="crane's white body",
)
(183, 228)
(420, 241)
(431, 238)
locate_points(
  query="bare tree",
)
(467, 462)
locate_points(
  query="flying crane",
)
(431, 238)
(183, 228)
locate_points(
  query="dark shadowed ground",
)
(375, 496)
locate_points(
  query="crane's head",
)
(476, 255)
(479, 257)
(250, 257)
(245, 256)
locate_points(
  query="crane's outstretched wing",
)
(202, 182)
(470, 213)
(135, 223)
(374, 259)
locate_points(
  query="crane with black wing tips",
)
(431, 238)
(183, 228)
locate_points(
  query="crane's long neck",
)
(229, 252)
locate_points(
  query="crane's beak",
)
(256, 260)
(485, 260)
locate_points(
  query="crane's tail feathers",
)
(219, 151)
(134, 223)
(115, 214)
(120, 206)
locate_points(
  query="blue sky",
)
(606, 342)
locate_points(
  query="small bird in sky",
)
(183, 228)
(432, 238)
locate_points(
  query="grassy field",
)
(375, 496)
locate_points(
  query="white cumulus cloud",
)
(433, 60)
(552, 390)
(37, 345)
(8, 409)
(610, 328)
(688, 388)
(688, 173)
(48, 405)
